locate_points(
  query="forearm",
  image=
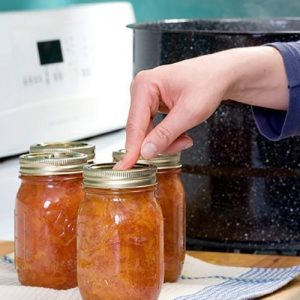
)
(257, 77)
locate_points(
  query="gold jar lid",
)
(81, 147)
(52, 163)
(161, 161)
(103, 176)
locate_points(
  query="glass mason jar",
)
(120, 235)
(170, 195)
(81, 147)
(45, 218)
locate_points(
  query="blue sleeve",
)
(276, 125)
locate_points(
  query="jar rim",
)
(79, 146)
(104, 176)
(52, 163)
(161, 161)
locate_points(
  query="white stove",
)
(64, 73)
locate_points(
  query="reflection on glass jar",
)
(120, 235)
(171, 197)
(45, 218)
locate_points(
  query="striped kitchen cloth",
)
(199, 281)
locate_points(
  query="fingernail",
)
(188, 145)
(149, 150)
(118, 165)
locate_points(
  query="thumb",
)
(165, 133)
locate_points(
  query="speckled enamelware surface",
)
(243, 191)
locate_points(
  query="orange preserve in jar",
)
(120, 235)
(81, 147)
(45, 218)
(171, 197)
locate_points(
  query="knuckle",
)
(142, 76)
(164, 134)
(132, 86)
(133, 128)
(194, 118)
(130, 126)
(192, 114)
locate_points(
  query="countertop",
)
(289, 292)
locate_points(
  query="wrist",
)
(256, 76)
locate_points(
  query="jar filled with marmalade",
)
(45, 218)
(120, 235)
(81, 147)
(171, 197)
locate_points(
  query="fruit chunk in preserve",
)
(171, 197)
(45, 230)
(120, 245)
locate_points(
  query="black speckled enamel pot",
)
(243, 191)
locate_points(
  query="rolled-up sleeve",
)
(276, 125)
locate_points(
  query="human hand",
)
(191, 90)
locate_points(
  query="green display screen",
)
(50, 52)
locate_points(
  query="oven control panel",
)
(67, 70)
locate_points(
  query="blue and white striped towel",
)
(199, 281)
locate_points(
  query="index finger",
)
(145, 98)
